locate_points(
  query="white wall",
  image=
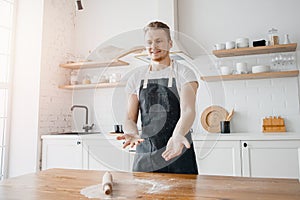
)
(215, 21)
(101, 20)
(58, 41)
(209, 22)
(25, 106)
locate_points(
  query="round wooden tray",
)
(211, 117)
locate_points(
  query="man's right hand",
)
(130, 139)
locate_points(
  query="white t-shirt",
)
(182, 74)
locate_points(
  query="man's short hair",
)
(158, 25)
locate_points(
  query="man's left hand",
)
(175, 146)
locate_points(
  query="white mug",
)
(219, 46)
(241, 68)
(225, 70)
(230, 45)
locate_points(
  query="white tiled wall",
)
(58, 39)
(252, 100)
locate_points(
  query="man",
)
(164, 92)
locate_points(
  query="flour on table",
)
(150, 186)
(155, 186)
(95, 191)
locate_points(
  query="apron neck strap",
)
(146, 77)
(171, 75)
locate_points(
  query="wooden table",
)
(67, 184)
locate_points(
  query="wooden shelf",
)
(264, 75)
(92, 86)
(87, 65)
(255, 50)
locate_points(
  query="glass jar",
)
(74, 77)
(273, 37)
(86, 79)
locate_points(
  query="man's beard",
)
(164, 56)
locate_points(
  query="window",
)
(7, 8)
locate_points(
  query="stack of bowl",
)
(242, 42)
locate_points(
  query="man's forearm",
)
(187, 109)
(130, 127)
(185, 122)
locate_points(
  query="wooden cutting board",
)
(211, 117)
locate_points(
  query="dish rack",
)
(273, 124)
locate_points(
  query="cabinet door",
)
(62, 153)
(218, 157)
(131, 158)
(105, 155)
(276, 159)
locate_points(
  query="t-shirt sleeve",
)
(131, 86)
(187, 76)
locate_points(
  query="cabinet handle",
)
(245, 144)
(78, 142)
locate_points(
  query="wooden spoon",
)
(228, 118)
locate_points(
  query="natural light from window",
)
(6, 33)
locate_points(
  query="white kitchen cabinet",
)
(218, 157)
(249, 155)
(277, 159)
(62, 153)
(105, 155)
(84, 152)
(273, 155)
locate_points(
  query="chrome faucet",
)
(86, 127)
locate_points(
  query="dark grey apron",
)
(160, 112)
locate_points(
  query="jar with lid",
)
(74, 77)
(273, 37)
(86, 79)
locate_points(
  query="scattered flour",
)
(156, 186)
(95, 191)
(147, 185)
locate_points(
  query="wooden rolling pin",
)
(107, 183)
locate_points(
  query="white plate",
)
(260, 68)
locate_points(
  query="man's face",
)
(157, 44)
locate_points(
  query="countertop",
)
(248, 136)
(68, 184)
(196, 136)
